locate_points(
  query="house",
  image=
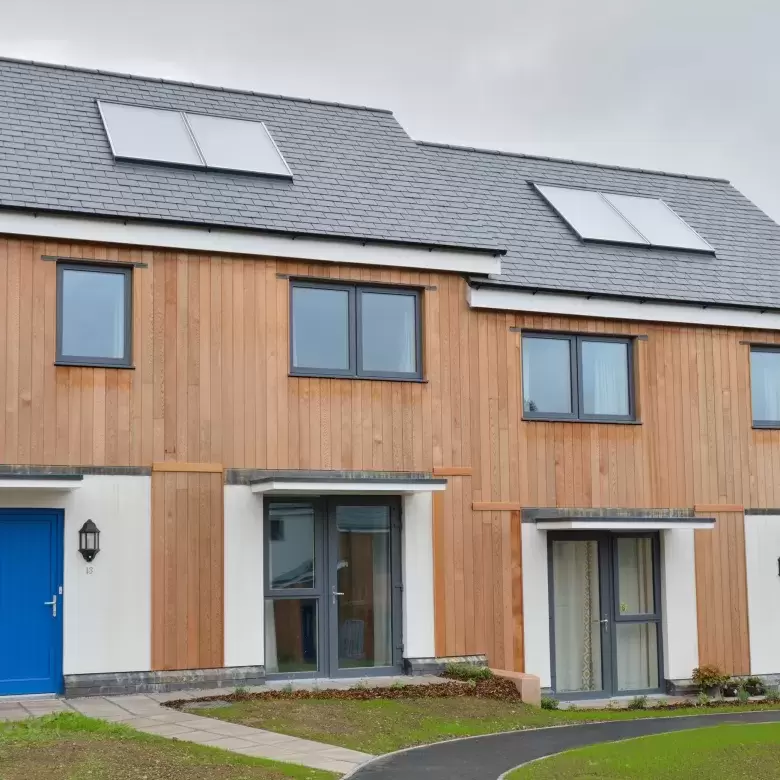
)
(285, 392)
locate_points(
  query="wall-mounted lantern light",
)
(89, 541)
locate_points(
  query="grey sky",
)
(682, 85)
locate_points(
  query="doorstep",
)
(619, 702)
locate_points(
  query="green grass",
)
(71, 747)
(383, 725)
(716, 753)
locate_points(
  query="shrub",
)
(241, 690)
(773, 695)
(467, 672)
(638, 703)
(743, 694)
(732, 688)
(702, 700)
(755, 686)
(549, 703)
(709, 677)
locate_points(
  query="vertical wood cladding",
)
(211, 385)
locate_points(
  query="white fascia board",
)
(614, 309)
(324, 487)
(246, 242)
(625, 525)
(59, 485)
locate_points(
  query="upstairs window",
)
(623, 219)
(184, 138)
(94, 317)
(355, 331)
(765, 386)
(570, 377)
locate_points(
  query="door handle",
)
(53, 605)
(335, 593)
(604, 622)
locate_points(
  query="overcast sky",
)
(681, 85)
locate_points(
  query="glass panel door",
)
(637, 616)
(579, 625)
(362, 589)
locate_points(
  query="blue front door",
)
(30, 580)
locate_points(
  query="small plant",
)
(467, 672)
(288, 688)
(743, 694)
(397, 684)
(709, 679)
(638, 703)
(755, 686)
(360, 685)
(702, 700)
(773, 695)
(241, 691)
(549, 703)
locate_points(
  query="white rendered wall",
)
(678, 597)
(244, 589)
(762, 549)
(536, 604)
(417, 556)
(107, 603)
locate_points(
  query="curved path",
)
(488, 757)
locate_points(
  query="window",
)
(625, 219)
(355, 331)
(182, 138)
(765, 386)
(568, 377)
(94, 315)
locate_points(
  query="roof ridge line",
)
(588, 163)
(195, 84)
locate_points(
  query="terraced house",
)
(286, 392)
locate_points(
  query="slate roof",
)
(357, 174)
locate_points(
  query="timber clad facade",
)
(255, 521)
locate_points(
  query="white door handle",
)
(53, 605)
(335, 593)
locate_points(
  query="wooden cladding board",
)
(721, 595)
(187, 570)
(211, 385)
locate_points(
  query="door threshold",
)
(7, 698)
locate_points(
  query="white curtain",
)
(606, 367)
(271, 659)
(769, 396)
(406, 356)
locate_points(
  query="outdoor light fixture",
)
(89, 541)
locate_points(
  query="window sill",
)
(86, 364)
(578, 420)
(766, 426)
(412, 380)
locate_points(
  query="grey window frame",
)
(575, 371)
(765, 424)
(355, 295)
(126, 361)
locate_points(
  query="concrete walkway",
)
(146, 713)
(490, 757)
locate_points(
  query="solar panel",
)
(626, 219)
(657, 222)
(148, 134)
(176, 137)
(236, 144)
(590, 215)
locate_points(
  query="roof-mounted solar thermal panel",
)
(181, 138)
(237, 145)
(657, 222)
(590, 216)
(625, 219)
(152, 134)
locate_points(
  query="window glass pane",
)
(291, 546)
(290, 635)
(635, 576)
(657, 222)
(93, 314)
(320, 328)
(149, 134)
(765, 385)
(577, 609)
(605, 378)
(637, 656)
(236, 144)
(590, 215)
(388, 333)
(546, 375)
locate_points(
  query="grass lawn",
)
(716, 753)
(72, 747)
(383, 725)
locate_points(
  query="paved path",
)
(486, 758)
(146, 713)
